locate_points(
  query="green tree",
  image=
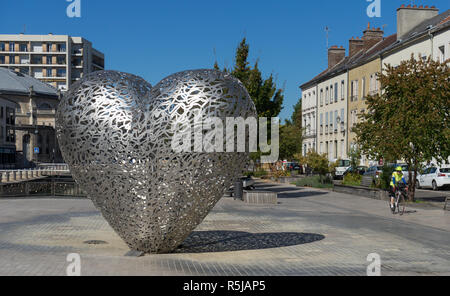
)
(290, 141)
(296, 117)
(355, 157)
(264, 93)
(318, 163)
(409, 121)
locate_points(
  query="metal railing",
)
(43, 170)
(47, 188)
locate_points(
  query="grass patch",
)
(314, 182)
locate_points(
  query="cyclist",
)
(397, 177)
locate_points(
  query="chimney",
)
(410, 16)
(335, 55)
(372, 36)
(355, 45)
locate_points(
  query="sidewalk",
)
(310, 232)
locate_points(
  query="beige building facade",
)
(59, 60)
(28, 121)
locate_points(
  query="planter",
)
(373, 193)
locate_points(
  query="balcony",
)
(45, 112)
(309, 134)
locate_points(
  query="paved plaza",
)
(310, 232)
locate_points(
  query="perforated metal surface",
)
(115, 132)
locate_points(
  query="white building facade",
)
(309, 118)
(332, 116)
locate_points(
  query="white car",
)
(434, 177)
(343, 166)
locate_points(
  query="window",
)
(442, 54)
(61, 60)
(335, 149)
(49, 60)
(326, 96)
(321, 124)
(37, 60)
(331, 94)
(355, 90)
(10, 116)
(336, 120)
(11, 59)
(11, 46)
(342, 90)
(342, 119)
(61, 47)
(326, 123)
(1, 113)
(2, 59)
(2, 46)
(49, 72)
(331, 121)
(61, 73)
(321, 97)
(363, 88)
(23, 47)
(336, 92)
(10, 135)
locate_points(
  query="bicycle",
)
(401, 196)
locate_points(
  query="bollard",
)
(14, 175)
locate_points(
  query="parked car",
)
(405, 171)
(374, 172)
(434, 177)
(292, 166)
(360, 170)
(343, 165)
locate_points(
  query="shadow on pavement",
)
(288, 191)
(228, 241)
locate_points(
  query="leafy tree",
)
(264, 93)
(409, 121)
(296, 117)
(318, 163)
(290, 141)
(267, 98)
(355, 156)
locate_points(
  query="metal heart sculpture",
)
(115, 132)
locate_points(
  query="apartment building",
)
(421, 31)
(27, 119)
(330, 89)
(7, 134)
(58, 60)
(309, 117)
(363, 81)
(342, 88)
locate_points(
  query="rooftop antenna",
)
(327, 30)
(24, 28)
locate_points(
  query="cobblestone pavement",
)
(310, 232)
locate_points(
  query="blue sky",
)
(154, 39)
